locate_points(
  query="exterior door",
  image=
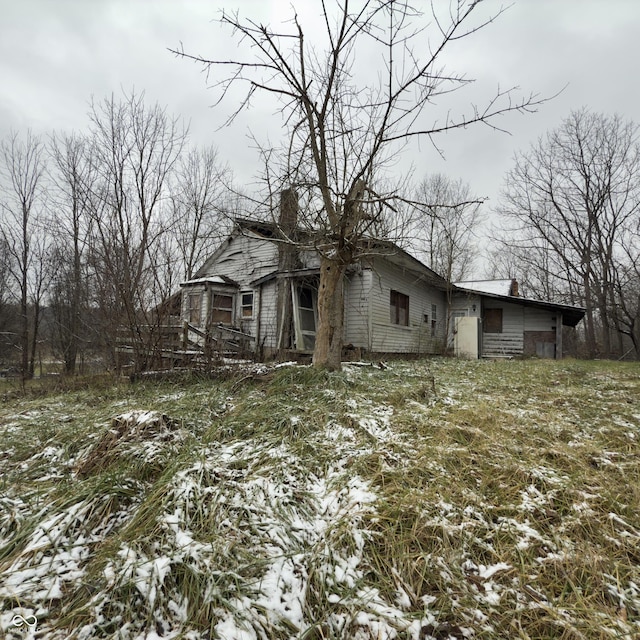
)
(467, 337)
(458, 313)
(304, 310)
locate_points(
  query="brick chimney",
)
(513, 290)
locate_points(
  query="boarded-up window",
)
(221, 309)
(247, 304)
(492, 321)
(195, 308)
(399, 308)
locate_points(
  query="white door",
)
(453, 320)
(466, 337)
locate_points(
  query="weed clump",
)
(126, 430)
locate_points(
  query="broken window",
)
(399, 308)
(492, 321)
(434, 319)
(195, 308)
(221, 309)
(247, 305)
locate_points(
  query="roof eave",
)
(571, 315)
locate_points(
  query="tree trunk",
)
(284, 315)
(24, 335)
(605, 322)
(590, 328)
(34, 340)
(329, 335)
(71, 351)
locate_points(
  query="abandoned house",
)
(261, 292)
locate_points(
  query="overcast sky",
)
(56, 54)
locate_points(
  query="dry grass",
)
(438, 499)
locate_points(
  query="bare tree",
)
(350, 106)
(627, 284)
(22, 190)
(539, 271)
(445, 229)
(200, 204)
(73, 176)
(446, 226)
(135, 149)
(568, 204)
(8, 330)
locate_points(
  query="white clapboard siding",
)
(511, 341)
(268, 315)
(245, 259)
(539, 320)
(465, 302)
(416, 338)
(356, 309)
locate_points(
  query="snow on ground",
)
(245, 537)
(274, 521)
(284, 525)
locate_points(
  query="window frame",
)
(193, 309)
(217, 308)
(398, 302)
(244, 306)
(304, 336)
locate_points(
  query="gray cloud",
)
(55, 55)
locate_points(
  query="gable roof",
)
(372, 248)
(210, 280)
(222, 247)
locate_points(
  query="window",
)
(434, 319)
(221, 309)
(399, 308)
(247, 305)
(492, 321)
(195, 308)
(306, 305)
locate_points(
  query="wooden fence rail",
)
(182, 343)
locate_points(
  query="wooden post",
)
(559, 335)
